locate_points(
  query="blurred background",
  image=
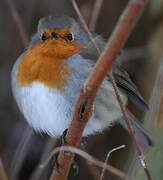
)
(21, 149)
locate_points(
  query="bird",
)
(46, 80)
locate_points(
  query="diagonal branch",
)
(95, 14)
(18, 21)
(89, 90)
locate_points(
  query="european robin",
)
(48, 75)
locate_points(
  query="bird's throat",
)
(38, 67)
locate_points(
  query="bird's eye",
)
(43, 37)
(54, 35)
(70, 37)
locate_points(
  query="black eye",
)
(54, 35)
(70, 37)
(43, 37)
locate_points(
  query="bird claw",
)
(63, 141)
(75, 166)
(63, 137)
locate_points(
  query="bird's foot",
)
(63, 138)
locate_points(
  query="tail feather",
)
(142, 135)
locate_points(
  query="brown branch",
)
(89, 91)
(123, 109)
(138, 149)
(97, 4)
(90, 159)
(3, 175)
(82, 21)
(18, 22)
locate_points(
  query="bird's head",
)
(59, 37)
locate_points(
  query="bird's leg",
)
(63, 138)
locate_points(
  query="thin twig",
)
(125, 116)
(49, 147)
(107, 157)
(3, 175)
(20, 152)
(82, 21)
(137, 146)
(95, 14)
(89, 91)
(87, 157)
(18, 22)
(123, 109)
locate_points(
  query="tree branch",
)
(18, 22)
(89, 90)
(97, 4)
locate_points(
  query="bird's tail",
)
(142, 135)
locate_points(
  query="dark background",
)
(20, 147)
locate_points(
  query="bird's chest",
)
(49, 71)
(47, 107)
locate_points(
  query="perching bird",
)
(47, 77)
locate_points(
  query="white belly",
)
(49, 110)
(45, 109)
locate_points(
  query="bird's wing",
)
(89, 51)
(124, 82)
(122, 78)
(142, 135)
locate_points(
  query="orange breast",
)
(42, 67)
